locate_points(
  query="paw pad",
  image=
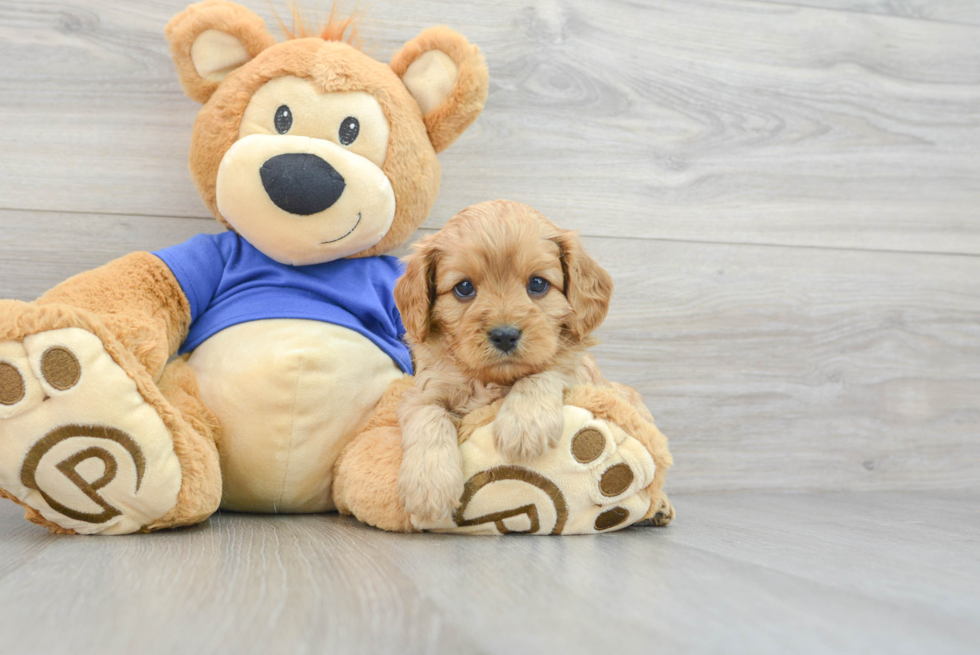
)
(19, 389)
(12, 388)
(616, 480)
(611, 518)
(60, 368)
(587, 445)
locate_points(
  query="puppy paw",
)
(430, 483)
(522, 432)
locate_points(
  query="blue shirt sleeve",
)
(198, 264)
(398, 269)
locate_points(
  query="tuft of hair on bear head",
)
(337, 27)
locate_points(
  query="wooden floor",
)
(872, 572)
(787, 193)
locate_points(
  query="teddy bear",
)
(257, 369)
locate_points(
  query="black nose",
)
(505, 338)
(301, 183)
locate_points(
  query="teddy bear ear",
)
(210, 39)
(448, 77)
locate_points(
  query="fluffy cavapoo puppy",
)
(500, 303)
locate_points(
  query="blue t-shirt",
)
(227, 282)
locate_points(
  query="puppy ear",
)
(210, 39)
(448, 77)
(588, 286)
(415, 292)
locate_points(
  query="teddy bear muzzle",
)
(303, 200)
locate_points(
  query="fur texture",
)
(498, 248)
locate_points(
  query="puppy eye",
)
(537, 286)
(349, 129)
(283, 119)
(464, 290)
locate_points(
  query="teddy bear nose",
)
(505, 338)
(301, 183)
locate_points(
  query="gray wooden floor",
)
(872, 572)
(787, 193)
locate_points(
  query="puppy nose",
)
(301, 183)
(505, 338)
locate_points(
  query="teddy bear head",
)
(311, 150)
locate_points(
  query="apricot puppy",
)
(500, 303)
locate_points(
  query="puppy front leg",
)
(430, 480)
(530, 419)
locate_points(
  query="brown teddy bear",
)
(244, 370)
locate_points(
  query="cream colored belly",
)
(289, 394)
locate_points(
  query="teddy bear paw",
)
(593, 480)
(78, 442)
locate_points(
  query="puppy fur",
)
(498, 246)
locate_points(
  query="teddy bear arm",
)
(138, 299)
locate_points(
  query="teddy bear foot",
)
(594, 480)
(79, 444)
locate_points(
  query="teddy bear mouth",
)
(349, 232)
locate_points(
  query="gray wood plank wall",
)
(787, 193)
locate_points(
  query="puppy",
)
(500, 303)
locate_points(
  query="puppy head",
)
(503, 291)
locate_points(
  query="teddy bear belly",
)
(289, 395)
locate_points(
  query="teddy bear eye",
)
(283, 119)
(537, 286)
(349, 129)
(464, 290)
